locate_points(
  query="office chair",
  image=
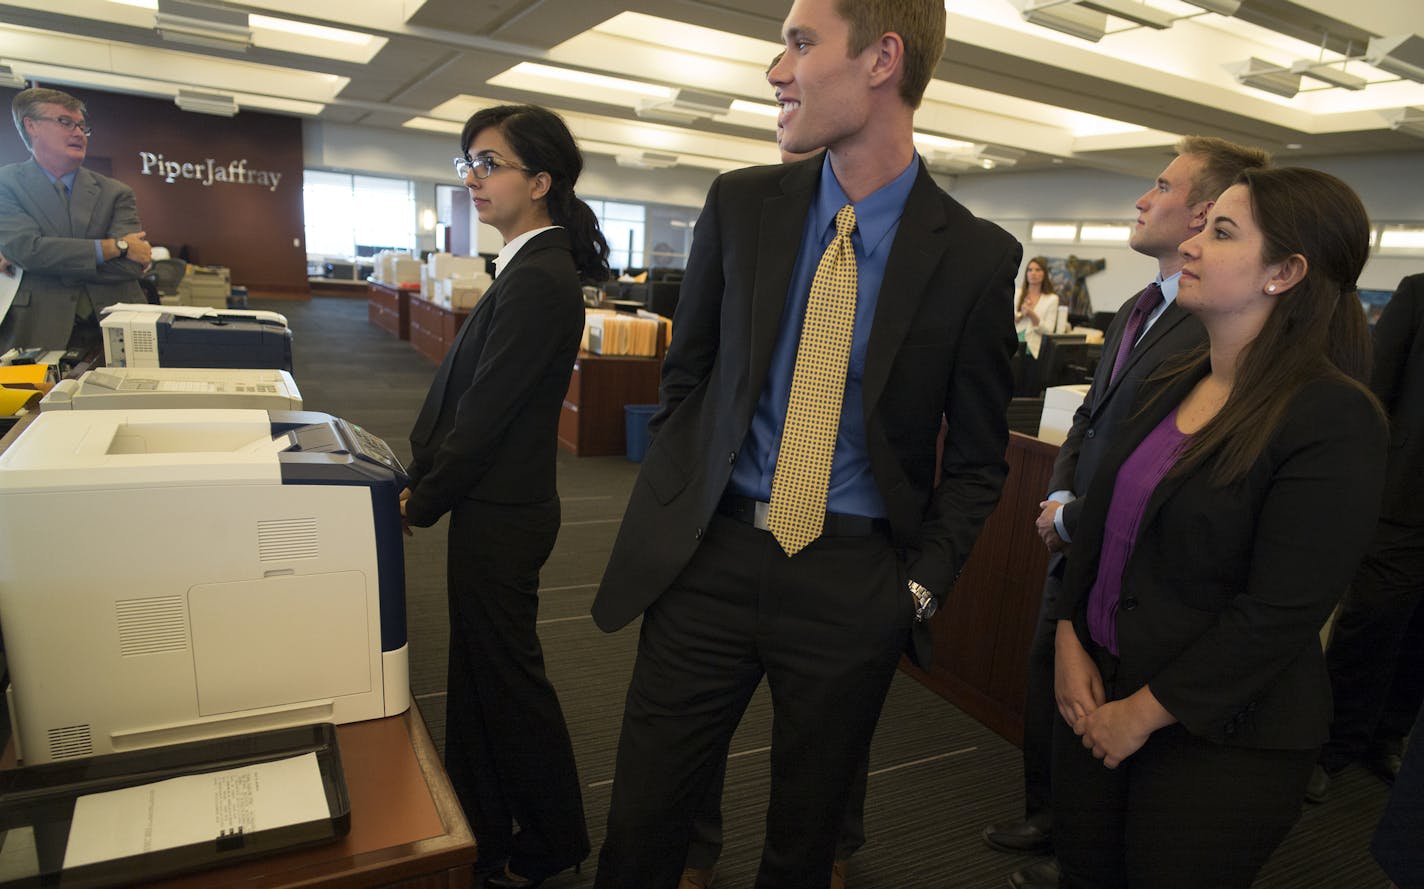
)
(167, 275)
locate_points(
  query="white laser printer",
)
(143, 335)
(112, 388)
(168, 576)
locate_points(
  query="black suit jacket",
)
(56, 250)
(1398, 382)
(489, 427)
(1226, 588)
(939, 345)
(1108, 403)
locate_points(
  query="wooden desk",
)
(407, 829)
(982, 635)
(591, 423)
(433, 327)
(388, 308)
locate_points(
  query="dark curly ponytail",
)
(544, 145)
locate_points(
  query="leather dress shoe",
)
(838, 873)
(696, 878)
(508, 879)
(1317, 789)
(1386, 759)
(1039, 875)
(1032, 834)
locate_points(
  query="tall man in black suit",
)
(1171, 211)
(1376, 653)
(741, 560)
(75, 233)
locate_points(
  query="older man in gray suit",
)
(75, 233)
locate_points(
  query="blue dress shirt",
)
(877, 218)
(68, 179)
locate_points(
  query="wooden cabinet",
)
(388, 308)
(591, 423)
(982, 635)
(433, 327)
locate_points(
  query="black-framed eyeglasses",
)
(68, 124)
(483, 166)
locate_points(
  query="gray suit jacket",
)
(57, 252)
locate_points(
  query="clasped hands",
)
(1045, 527)
(1112, 730)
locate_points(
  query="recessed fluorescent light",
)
(746, 107)
(1401, 237)
(586, 78)
(1103, 231)
(320, 32)
(1053, 231)
(1407, 120)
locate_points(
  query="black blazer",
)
(939, 345)
(1226, 589)
(1175, 333)
(1398, 382)
(489, 427)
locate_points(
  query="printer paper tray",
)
(39, 801)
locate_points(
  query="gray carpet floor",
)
(937, 777)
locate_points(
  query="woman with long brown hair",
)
(1218, 535)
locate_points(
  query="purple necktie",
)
(1147, 303)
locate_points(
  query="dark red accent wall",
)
(251, 228)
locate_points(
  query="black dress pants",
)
(507, 747)
(1180, 813)
(705, 845)
(826, 628)
(1376, 652)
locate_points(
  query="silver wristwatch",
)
(925, 604)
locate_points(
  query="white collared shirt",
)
(513, 247)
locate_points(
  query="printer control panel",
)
(370, 446)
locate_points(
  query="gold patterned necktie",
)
(808, 439)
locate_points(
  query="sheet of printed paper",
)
(195, 809)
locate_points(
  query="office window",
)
(625, 227)
(348, 215)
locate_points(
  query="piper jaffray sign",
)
(207, 171)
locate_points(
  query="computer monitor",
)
(1066, 358)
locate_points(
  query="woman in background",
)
(1036, 311)
(484, 449)
(1218, 536)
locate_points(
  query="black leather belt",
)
(753, 512)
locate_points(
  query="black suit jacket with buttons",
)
(940, 344)
(488, 429)
(1226, 588)
(1109, 401)
(1398, 382)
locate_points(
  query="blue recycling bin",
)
(636, 417)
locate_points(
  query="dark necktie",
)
(1147, 303)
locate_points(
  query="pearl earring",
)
(1270, 288)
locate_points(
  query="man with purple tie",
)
(1149, 329)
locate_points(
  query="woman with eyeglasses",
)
(1219, 533)
(484, 449)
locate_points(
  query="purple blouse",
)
(1136, 480)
